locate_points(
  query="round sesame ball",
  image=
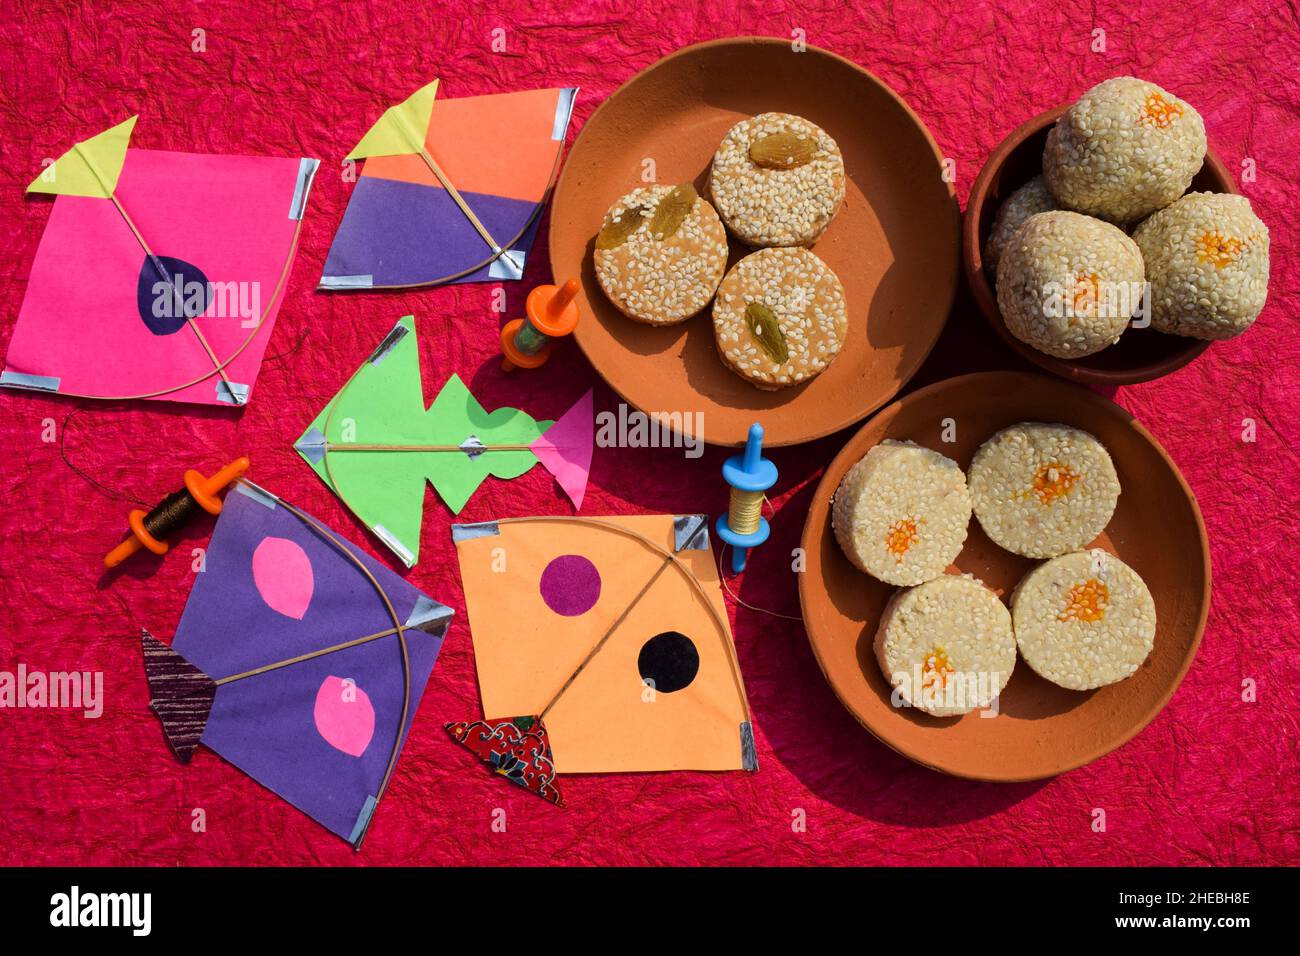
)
(1083, 620)
(779, 318)
(946, 646)
(1068, 283)
(1029, 200)
(1041, 490)
(1125, 149)
(1207, 261)
(778, 180)
(655, 278)
(901, 513)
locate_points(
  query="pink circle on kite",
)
(344, 715)
(283, 575)
(570, 585)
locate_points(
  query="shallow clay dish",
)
(1042, 729)
(894, 245)
(1141, 354)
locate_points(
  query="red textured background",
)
(1212, 780)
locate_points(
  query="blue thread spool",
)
(743, 526)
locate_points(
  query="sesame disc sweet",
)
(1041, 490)
(660, 254)
(778, 180)
(946, 646)
(1084, 620)
(780, 317)
(901, 513)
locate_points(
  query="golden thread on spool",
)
(745, 510)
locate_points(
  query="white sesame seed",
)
(658, 280)
(776, 207)
(949, 631)
(1125, 149)
(1207, 259)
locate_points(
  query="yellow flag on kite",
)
(90, 168)
(402, 129)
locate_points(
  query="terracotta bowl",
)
(1042, 729)
(1141, 354)
(895, 243)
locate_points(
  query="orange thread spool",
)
(551, 313)
(169, 514)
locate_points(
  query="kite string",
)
(727, 587)
(85, 476)
(742, 603)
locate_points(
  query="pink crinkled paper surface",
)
(1212, 780)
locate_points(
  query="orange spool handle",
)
(552, 312)
(202, 490)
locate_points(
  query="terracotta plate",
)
(1042, 729)
(894, 245)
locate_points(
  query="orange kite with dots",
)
(602, 645)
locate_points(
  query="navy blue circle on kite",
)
(166, 301)
(668, 662)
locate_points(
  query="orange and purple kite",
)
(452, 189)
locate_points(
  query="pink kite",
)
(159, 274)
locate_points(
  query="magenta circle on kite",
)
(344, 715)
(283, 575)
(570, 585)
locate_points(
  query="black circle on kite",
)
(668, 662)
(166, 298)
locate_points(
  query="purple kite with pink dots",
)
(299, 658)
